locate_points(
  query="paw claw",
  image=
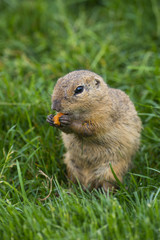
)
(65, 120)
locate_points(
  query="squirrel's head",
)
(78, 92)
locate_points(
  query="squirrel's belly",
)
(83, 153)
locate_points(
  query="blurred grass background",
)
(41, 41)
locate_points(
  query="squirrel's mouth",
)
(63, 112)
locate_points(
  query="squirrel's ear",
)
(97, 82)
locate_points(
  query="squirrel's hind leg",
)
(70, 176)
(109, 182)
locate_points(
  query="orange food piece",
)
(56, 118)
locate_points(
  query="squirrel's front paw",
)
(50, 120)
(65, 120)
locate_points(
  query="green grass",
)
(39, 42)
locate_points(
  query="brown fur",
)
(102, 127)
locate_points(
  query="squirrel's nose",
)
(56, 105)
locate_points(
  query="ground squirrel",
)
(99, 127)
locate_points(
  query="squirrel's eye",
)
(79, 90)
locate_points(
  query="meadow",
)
(41, 41)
